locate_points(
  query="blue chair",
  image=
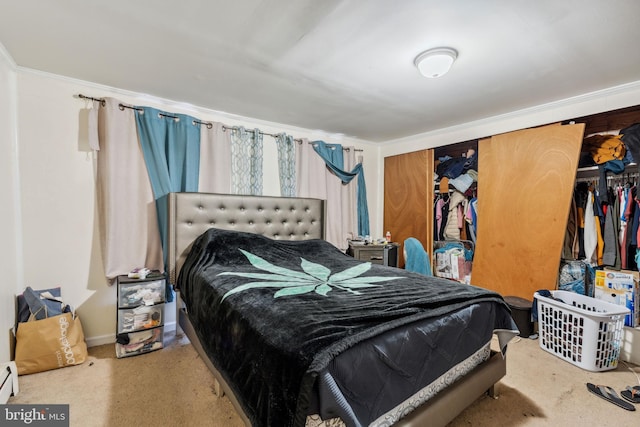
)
(416, 258)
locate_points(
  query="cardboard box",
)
(621, 288)
(451, 264)
(443, 265)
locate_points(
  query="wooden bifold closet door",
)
(408, 198)
(525, 186)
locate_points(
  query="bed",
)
(297, 333)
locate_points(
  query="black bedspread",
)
(271, 314)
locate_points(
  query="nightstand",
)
(140, 317)
(386, 254)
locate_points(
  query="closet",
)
(454, 204)
(610, 193)
(409, 193)
(525, 182)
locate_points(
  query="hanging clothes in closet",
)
(454, 214)
(604, 220)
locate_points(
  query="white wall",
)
(10, 252)
(57, 186)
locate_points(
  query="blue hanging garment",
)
(416, 258)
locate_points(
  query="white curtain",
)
(315, 180)
(215, 159)
(349, 205)
(128, 223)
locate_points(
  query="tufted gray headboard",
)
(191, 214)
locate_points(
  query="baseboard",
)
(111, 338)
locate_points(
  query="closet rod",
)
(595, 180)
(208, 124)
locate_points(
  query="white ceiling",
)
(335, 65)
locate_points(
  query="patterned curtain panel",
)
(246, 161)
(286, 164)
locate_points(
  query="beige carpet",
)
(172, 387)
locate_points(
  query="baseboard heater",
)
(8, 381)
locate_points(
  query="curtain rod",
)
(208, 124)
(225, 127)
(101, 101)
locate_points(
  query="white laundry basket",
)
(584, 331)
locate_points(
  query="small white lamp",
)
(436, 62)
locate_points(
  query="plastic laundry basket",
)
(581, 330)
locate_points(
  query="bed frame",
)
(191, 214)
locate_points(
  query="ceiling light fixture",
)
(436, 62)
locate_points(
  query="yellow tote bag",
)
(51, 343)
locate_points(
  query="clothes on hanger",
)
(604, 231)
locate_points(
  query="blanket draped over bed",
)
(281, 310)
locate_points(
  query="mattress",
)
(412, 403)
(404, 367)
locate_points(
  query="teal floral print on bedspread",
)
(314, 278)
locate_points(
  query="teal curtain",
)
(332, 156)
(171, 147)
(286, 164)
(246, 161)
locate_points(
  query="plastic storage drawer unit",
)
(140, 317)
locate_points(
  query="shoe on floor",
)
(607, 393)
(632, 394)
